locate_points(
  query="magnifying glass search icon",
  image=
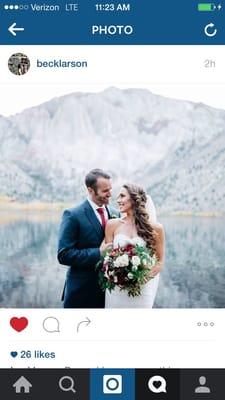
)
(66, 384)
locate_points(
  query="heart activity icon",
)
(157, 384)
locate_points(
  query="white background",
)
(119, 338)
(173, 71)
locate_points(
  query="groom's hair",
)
(92, 177)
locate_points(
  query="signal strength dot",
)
(11, 7)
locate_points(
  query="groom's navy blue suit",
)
(80, 237)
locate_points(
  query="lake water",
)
(30, 276)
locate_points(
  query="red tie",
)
(102, 215)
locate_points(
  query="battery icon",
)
(206, 7)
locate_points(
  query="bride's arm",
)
(160, 249)
(107, 242)
(110, 230)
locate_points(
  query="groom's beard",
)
(103, 200)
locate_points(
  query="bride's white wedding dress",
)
(120, 299)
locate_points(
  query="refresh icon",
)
(210, 30)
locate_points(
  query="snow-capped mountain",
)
(175, 148)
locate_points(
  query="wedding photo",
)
(113, 199)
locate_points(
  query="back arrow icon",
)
(12, 29)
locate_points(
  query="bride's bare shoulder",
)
(158, 228)
(113, 223)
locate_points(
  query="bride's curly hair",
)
(139, 199)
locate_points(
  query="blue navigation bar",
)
(133, 22)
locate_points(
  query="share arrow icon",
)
(85, 322)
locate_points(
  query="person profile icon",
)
(202, 388)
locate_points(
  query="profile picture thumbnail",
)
(19, 64)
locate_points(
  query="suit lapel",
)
(92, 218)
(108, 212)
(112, 213)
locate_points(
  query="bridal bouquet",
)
(127, 268)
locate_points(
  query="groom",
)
(80, 243)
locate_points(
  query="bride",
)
(135, 228)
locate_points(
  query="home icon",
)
(22, 385)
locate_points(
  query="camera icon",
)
(112, 384)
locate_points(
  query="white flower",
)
(152, 261)
(136, 261)
(115, 279)
(130, 275)
(106, 259)
(134, 268)
(121, 261)
(113, 216)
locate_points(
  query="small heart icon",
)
(19, 324)
(14, 354)
(157, 384)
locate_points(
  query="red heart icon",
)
(19, 324)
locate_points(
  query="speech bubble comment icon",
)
(157, 384)
(51, 325)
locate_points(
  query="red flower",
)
(130, 250)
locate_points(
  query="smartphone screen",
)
(112, 200)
